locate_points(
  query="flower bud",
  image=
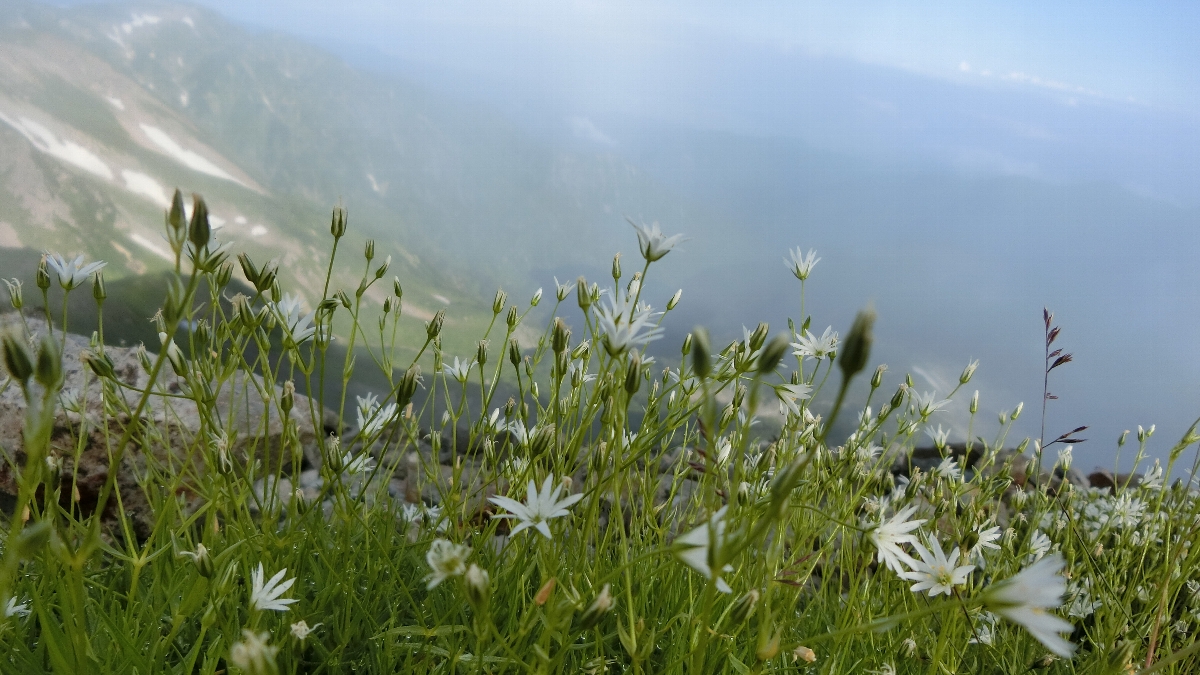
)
(701, 356)
(857, 347)
(616, 268)
(1121, 439)
(202, 560)
(581, 350)
(176, 216)
(544, 592)
(898, 397)
(369, 250)
(537, 297)
(434, 327)
(174, 356)
(582, 294)
(199, 231)
(287, 400)
(514, 352)
(337, 224)
(224, 274)
(975, 402)
(602, 605)
(382, 269)
(687, 344)
(877, 378)
(768, 645)
(99, 293)
(727, 415)
(743, 607)
(772, 354)
(15, 295)
(739, 395)
(759, 336)
(674, 300)
(248, 268)
(561, 336)
(478, 587)
(43, 275)
(968, 372)
(48, 371)
(498, 301)
(481, 353)
(633, 374)
(16, 357)
(408, 385)
(1017, 411)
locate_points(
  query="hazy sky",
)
(1144, 51)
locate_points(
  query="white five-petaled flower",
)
(700, 546)
(561, 291)
(935, 571)
(986, 539)
(949, 469)
(624, 326)
(810, 346)
(890, 534)
(265, 596)
(447, 560)
(1024, 599)
(925, 403)
(72, 274)
(301, 629)
(13, 608)
(297, 325)
(460, 370)
(538, 508)
(801, 265)
(372, 418)
(940, 436)
(789, 394)
(653, 243)
(1039, 544)
(352, 465)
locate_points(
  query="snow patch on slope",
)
(68, 151)
(188, 158)
(144, 186)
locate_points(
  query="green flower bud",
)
(743, 607)
(514, 352)
(99, 293)
(498, 302)
(772, 354)
(739, 395)
(602, 605)
(224, 274)
(581, 350)
(477, 586)
(857, 348)
(248, 268)
(408, 385)
(633, 374)
(434, 327)
(369, 250)
(43, 275)
(687, 344)
(561, 336)
(396, 289)
(382, 269)
(16, 357)
(537, 297)
(199, 231)
(975, 402)
(543, 441)
(481, 353)
(582, 294)
(701, 354)
(968, 372)
(898, 397)
(759, 336)
(175, 217)
(287, 400)
(48, 371)
(266, 278)
(616, 268)
(337, 224)
(877, 378)
(674, 300)
(1017, 411)
(15, 295)
(202, 560)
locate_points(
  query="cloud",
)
(586, 129)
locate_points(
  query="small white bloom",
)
(297, 325)
(1039, 544)
(890, 534)
(253, 654)
(447, 560)
(302, 630)
(925, 403)
(700, 546)
(1064, 457)
(624, 326)
(72, 274)
(352, 465)
(1152, 478)
(948, 469)
(371, 417)
(538, 508)
(13, 608)
(939, 436)
(265, 596)
(935, 571)
(986, 539)
(801, 265)
(811, 347)
(561, 291)
(1024, 599)
(653, 244)
(789, 395)
(460, 370)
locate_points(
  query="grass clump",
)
(615, 514)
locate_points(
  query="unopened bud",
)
(99, 293)
(498, 301)
(633, 374)
(581, 350)
(202, 560)
(481, 353)
(43, 275)
(48, 371)
(674, 299)
(434, 327)
(544, 592)
(15, 294)
(857, 347)
(743, 607)
(759, 336)
(478, 586)
(199, 231)
(337, 224)
(369, 250)
(772, 354)
(687, 344)
(382, 269)
(701, 356)
(1017, 411)
(739, 395)
(975, 402)
(768, 645)
(16, 357)
(616, 268)
(968, 372)
(537, 297)
(1121, 439)
(582, 295)
(175, 217)
(408, 385)
(561, 336)
(514, 352)
(898, 397)
(602, 605)
(288, 398)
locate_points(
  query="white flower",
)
(653, 243)
(561, 291)
(72, 274)
(372, 418)
(935, 572)
(700, 546)
(948, 469)
(1039, 544)
(538, 507)
(13, 608)
(811, 347)
(926, 405)
(939, 436)
(518, 432)
(355, 465)
(624, 326)
(1064, 457)
(789, 394)
(447, 560)
(1152, 479)
(888, 535)
(253, 654)
(1024, 599)
(986, 539)
(301, 630)
(298, 326)
(266, 596)
(460, 370)
(801, 265)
